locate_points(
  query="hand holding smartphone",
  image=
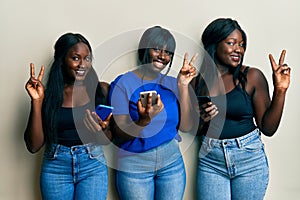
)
(144, 97)
(103, 111)
(203, 99)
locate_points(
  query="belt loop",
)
(57, 146)
(88, 148)
(238, 142)
(209, 142)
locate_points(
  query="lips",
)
(80, 72)
(159, 63)
(235, 58)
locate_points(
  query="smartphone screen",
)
(144, 97)
(103, 111)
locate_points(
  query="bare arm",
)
(97, 126)
(34, 135)
(185, 76)
(268, 112)
(100, 128)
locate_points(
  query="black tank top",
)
(71, 130)
(235, 116)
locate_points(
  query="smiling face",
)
(230, 51)
(159, 59)
(78, 62)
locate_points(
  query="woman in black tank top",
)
(61, 117)
(232, 162)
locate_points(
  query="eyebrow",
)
(235, 39)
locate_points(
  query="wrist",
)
(37, 101)
(182, 83)
(142, 122)
(280, 91)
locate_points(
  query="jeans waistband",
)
(84, 148)
(150, 160)
(239, 141)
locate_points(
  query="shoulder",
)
(126, 80)
(104, 85)
(255, 78)
(123, 77)
(254, 74)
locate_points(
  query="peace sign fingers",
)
(276, 67)
(185, 59)
(281, 72)
(186, 63)
(282, 56)
(32, 72)
(193, 59)
(34, 86)
(188, 67)
(41, 74)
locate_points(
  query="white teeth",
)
(159, 63)
(80, 72)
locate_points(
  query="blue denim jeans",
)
(232, 169)
(155, 174)
(77, 172)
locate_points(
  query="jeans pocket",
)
(204, 149)
(95, 152)
(253, 145)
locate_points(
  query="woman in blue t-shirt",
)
(150, 165)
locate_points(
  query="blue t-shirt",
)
(124, 95)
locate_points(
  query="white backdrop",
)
(30, 28)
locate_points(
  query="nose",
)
(85, 62)
(238, 48)
(82, 63)
(162, 54)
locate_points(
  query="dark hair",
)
(156, 37)
(214, 33)
(55, 84)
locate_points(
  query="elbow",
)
(107, 138)
(31, 149)
(268, 133)
(186, 127)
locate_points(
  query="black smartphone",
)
(103, 111)
(144, 97)
(203, 99)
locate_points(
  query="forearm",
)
(130, 130)
(273, 114)
(34, 135)
(103, 137)
(188, 115)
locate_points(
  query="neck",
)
(145, 74)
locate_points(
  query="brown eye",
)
(157, 50)
(168, 53)
(88, 59)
